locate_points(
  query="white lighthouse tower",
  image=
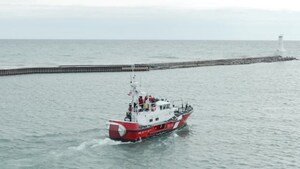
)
(280, 50)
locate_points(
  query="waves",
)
(95, 143)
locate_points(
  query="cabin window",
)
(160, 107)
(156, 118)
(151, 120)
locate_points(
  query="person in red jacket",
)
(151, 99)
(130, 107)
(141, 101)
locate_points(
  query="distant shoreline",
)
(140, 67)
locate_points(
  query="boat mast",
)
(133, 93)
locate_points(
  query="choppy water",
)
(245, 116)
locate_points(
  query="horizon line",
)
(144, 39)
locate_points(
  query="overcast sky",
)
(149, 19)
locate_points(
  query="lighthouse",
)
(280, 50)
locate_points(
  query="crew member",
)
(151, 99)
(141, 101)
(130, 107)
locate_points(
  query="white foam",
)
(96, 143)
(85, 145)
(107, 141)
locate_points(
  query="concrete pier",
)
(140, 67)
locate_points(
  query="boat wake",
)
(108, 141)
(97, 143)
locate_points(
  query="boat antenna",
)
(132, 68)
(132, 77)
(133, 93)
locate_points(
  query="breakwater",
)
(139, 67)
(236, 61)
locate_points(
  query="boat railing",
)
(185, 108)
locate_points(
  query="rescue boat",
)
(147, 117)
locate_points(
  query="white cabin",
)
(160, 111)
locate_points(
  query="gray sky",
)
(144, 19)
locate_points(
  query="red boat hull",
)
(131, 131)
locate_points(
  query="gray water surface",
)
(245, 117)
